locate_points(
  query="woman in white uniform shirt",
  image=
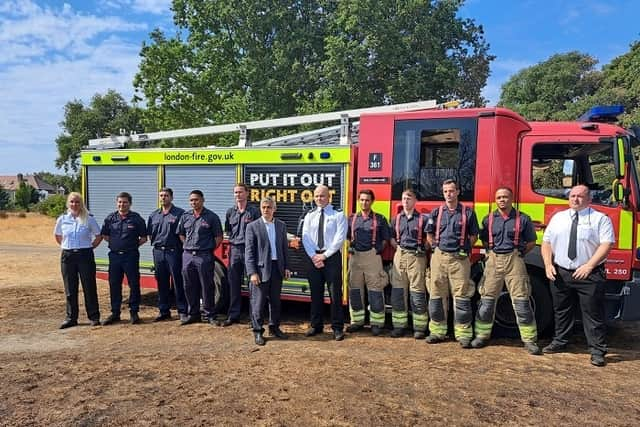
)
(78, 233)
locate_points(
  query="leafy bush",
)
(53, 206)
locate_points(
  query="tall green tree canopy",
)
(106, 114)
(237, 60)
(547, 90)
(566, 85)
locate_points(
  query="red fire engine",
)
(389, 149)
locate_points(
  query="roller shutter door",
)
(105, 182)
(215, 182)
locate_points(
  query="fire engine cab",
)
(388, 149)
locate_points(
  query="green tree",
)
(236, 60)
(26, 195)
(106, 114)
(5, 200)
(53, 206)
(383, 51)
(551, 89)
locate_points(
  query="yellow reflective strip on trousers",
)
(483, 329)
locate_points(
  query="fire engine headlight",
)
(325, 155)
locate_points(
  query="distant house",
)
(11, 183)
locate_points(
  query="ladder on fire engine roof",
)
(345, 133)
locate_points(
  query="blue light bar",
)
(602, 114)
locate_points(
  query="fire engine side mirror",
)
(618, 158)
(617, 191)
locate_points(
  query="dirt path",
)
(165, 374)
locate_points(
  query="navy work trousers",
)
(168, 267)
(236, 275)
(121, 264)
(197, 274)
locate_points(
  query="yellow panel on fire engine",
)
(218, 156)
(625, 232)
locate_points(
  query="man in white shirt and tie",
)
(574, 263)
(323, 234)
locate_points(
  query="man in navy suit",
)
(267, 264)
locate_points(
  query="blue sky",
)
(52, 52)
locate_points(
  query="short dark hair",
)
(450, 181)
(167, 190)
(368, 192)
(243, 185)
(197, 193)
(124, 195)
(409, 192)
(504, 188)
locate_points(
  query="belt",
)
(75, 251)
(197, 251)
(320, 251)
(164, 248)
(122, 252)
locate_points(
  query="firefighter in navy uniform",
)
(201, 233)
(452, 231)
(408, 231)
(167, 255)
(369, 233)
(125, 231)
(235, 224)
(508, 235)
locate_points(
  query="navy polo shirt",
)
(504, 231)
(361, 231)
(451, 228)
(124, 232)
(161, 227)
(408, 228)
(201, 232)
(235, 223)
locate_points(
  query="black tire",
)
(222, 288)
(505, 322)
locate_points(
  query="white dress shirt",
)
(594, 228)
(335, 231)
(271, 232)
(76, 235)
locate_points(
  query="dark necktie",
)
(321, 230)
(572, 253)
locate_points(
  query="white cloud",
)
(28, 30)
(49, 57)
(152, 6)
(156, 7)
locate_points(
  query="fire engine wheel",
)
(221, 286)
(505, 321)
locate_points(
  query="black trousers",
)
(331, 274)
(590, 297)
(74, 264)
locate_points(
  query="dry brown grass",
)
(30, 230)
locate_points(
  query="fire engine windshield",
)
(557, 167)
(427, 152)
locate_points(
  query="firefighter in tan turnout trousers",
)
(409, 268)
(508, 235)
(369, 233)
(452, 231)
